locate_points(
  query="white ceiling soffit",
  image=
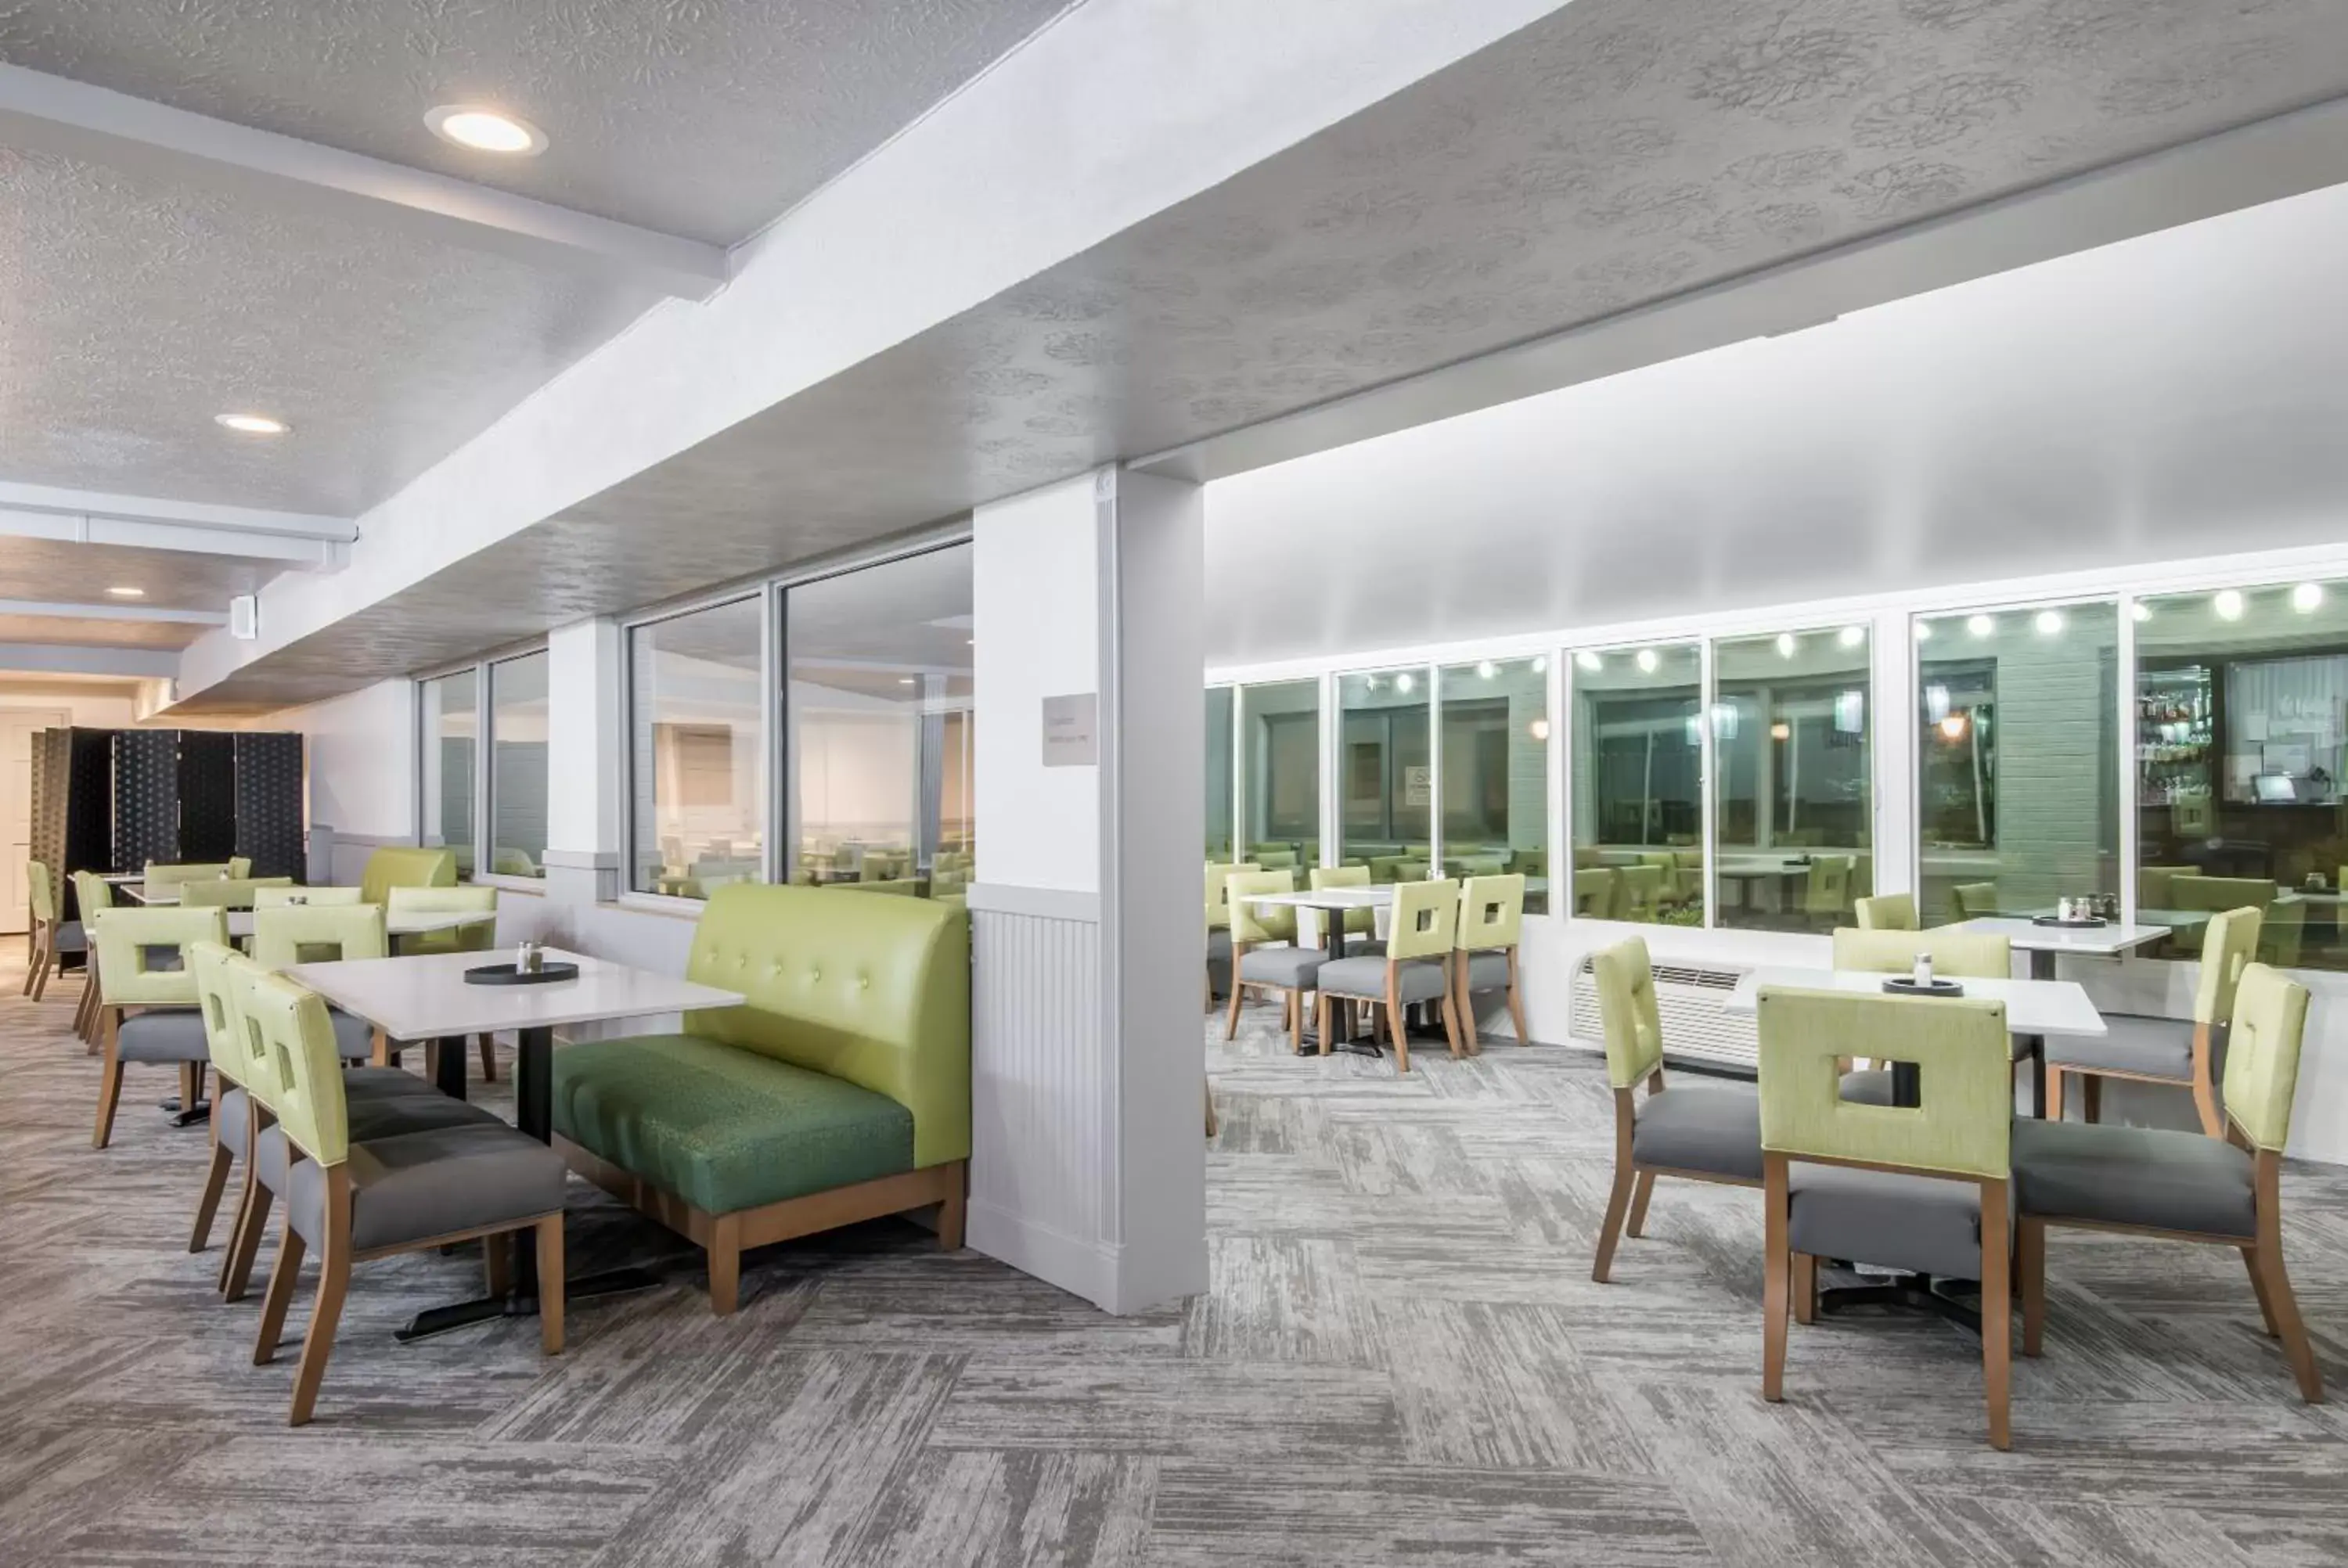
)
(692, 117)
(1610, 155)
(2175, 397)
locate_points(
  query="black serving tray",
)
(2092, 923)
(507, 975)
(1902, 986)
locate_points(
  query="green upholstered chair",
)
(1415, 968)
(349, 1200)
(1484, 952)
(173, 873)
(2183, 1186)
(2189, 890)
(2280, 936)
(227, 892)
(1265, 956)
(50, 935)
(1358, 922)
(240, 866)
(1643, 890)
(148, 1010)
(1974, 899)
(839, 1092)
(1887, 912)
(2178, 1051)
(93, 896)
(2156, 886)
(1826, 893)
(1956, 955)
(479, 936)
(1705, 1131)
(268, 895)
(396, 866)
(1599, 893)
(1924, 1187)
(1284, 859)
(1219, 917)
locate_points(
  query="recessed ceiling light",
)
(128, 593)
(2307, 597)
(904, 680)
(252, 424)
(2228, 603)
(1402, 682)
(1538, 729)
(1486, 668)
(1979, 625)
(2140, 610)
(2049, 622)
(1541, 665)
(1923, 631)
(1852, 636)
(485, 129)
(1781, 731)
(1647, 661)
(1953, 727)
(1784, 645)
(1589, 661)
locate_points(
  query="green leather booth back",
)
(397, 867)
(874, 992)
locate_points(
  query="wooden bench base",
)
(726, 1237)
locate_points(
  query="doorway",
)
(17, 728)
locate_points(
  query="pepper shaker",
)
(1921, 978)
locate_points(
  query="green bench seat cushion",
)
(724, 1129)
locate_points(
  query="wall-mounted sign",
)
(1071, 731)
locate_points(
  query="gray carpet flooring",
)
(1401, 1359)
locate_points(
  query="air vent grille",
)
(1692, 1000)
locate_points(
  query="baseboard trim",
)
(1077, 1266)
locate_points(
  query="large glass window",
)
(2241, 745)
(1386, 787)
(1792, 827)
(1638, 766)
(1495, 761)
(1219, 774)
(1280, 762)
(451, 728)
(2018, 788)
(518, 766)
(697, 749)
(879, 750)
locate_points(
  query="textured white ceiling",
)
(699, 118)
(1614, 154)
(53, 572)
(77, 633)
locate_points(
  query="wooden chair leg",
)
(1208, 1093)
(432, 1060)
(326, 1312)
(278, 1297)
(489, 1059)
(1638, 1196)
(2284, 1306)
(1326, 1027)
(2259, 1288)
(1517, 1002)
(724, 1266)
(244, 1243)
(1450, 1024)
(1397, 1025)
(1806, 1288)
(1997, 1314)
(109, 1084)
(379, 1050)
(2030, 1267)
(497, 1261)
(2205, 1105)
(2091, 1098)
(954, 1209)
(1775, 1281)
(2054, 1076)
(32, 960)
(1231, 1020)
(37, 981)
(1618, 1204)
(215, 1183)
(550, 1284)
(1456, 995)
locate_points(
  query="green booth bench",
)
(839, 1092)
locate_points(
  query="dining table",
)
(429, 997)
(1333, 903)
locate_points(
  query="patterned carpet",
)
(1401, 1360)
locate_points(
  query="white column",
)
(585, 782)
(1088, 1166)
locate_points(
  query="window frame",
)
(484, 773)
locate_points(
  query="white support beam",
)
(156, 509)
(114, 611)
(55, 113)
(83, 528)
(67, 659)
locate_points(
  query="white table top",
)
(426, 997)
(1327, 898)
(406, 923)
(2031, 1006)
(2088, 941)
(137, 888)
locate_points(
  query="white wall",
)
(362, 760)
(86, 707)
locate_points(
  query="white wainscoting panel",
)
(1037, 1086)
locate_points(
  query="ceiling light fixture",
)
(1784, 645)
(252, 424)
(1923, 631)
(2307, 597)
(1589, 661)
(485, 129)
(2228, 603)
(2049, 622)
(904, 680)
(1781, 731)
(1486, 668)
(1647, 662)
(128, 593)
(1953, 727)
(1979, 625)
(2139, 610)
(1402, 682)
(1852, 636)
(1538, 729)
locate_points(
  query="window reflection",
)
(1219, 774)
(518, 766)
(1495, 765)
(1793, 829)
(451, 721)
(697, 749)
(1279, 761)
(2017, 790)
(879, 705)
(1638, 771)
(1386, 787)
(2239, 754)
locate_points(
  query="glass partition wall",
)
(1638, 775)
(1493, 771)
(449, 724)
(697, 747)
(2017, 787)
(1794, 819)
(1280, 764)
(518, 781)
(1385, 786)
(1219, 710)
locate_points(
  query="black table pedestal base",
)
(1914, 1292)
(482, 1309)
(181, 1117)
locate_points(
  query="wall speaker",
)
(244, 617)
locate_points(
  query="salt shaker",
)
(1922, 976)
(526, 957)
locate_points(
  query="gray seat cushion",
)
(431, 1183)
(354, 1036)
(1218, 945)
(1419, 980)
(1710, 1127)
(163, 1034)
(72, 938)
(231, 1107)
(375, 1116)
(1292, 967)
(1488, 972)
(2161, 1046)
(1888, 1218)
(2133, 1176)
(362, 1086)
(1867, 1086)
(360, 1082)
